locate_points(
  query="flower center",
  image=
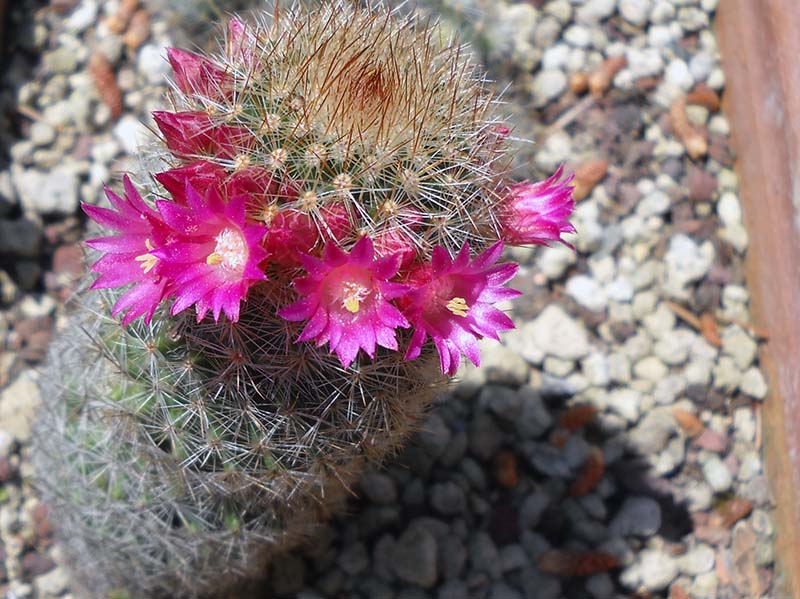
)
(354, 294)
(458, 306)
(148, 260)
(230, 251)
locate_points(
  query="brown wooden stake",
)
(760, 48)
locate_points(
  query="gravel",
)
(504, 470)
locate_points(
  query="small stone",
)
(534, 418)
(379, 488)
(753, 383)
(84, 15)
(502, 365)
(596, 369)
(635, 11)
(18, 404)
(513, 557)
(483, 555)
(448, 498)
(678, 74)
(587, 292)
(600, 586)
(414, 557)
(60, 60)
(559, 335)
(453, 589)
(729, 210)
(739, 345)
(153, 64)
(21, 238)
(653, 570)
(727, 375)
(595, 10)
(686, 262)
(644, 62)
(554, 261)
(42, 134)
(638, 516)
(626, 403)
(354, 559)
(547, 86)
(484, 436)
(650, 369)
(52, 584)
(434, 435)
(520, 341)
(717, 474)
(131, 133)
(697, 560)
(744, 424)
(650, 436)
(53, 192)
(501, 590)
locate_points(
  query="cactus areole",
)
(329, 218)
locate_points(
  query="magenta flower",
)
(346, 300)
(214, 255)
(452, 302)
(196, 74)
(193, 133)
(537, 213)
(129, 257)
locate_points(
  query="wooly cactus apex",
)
(319, 248)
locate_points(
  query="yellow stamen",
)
(214, 259)
(352, 304)
(148, 261)
(458, 306)
(355, 294)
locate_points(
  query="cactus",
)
(332, 201)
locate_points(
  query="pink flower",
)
(129, 257)
(537, 213)
(214, 255)
(452, 302)
(193, 133)
(196, 74)
(346, 300)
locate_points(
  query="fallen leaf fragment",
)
(590, 475)
(709, 329)
(600, 80)
(704, 96)
(685, 315)
(105, 80)
(562, 562)
(689, 423)
(694, 139)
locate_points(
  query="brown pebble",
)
(575, 418)
(702, 184)
(504, 469)
(713, 535)
(579, 83)
(118, 22)
(7, 471)
(35, 564)
(677, 592)
(563, 562)
(731, 511)
(711, 440)
(690, 423)
(138, 30)
(587, 175)
(590, 475)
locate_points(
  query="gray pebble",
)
(638, 516)
(414, 557)
(379, 488)
(448, 498)
(483, 555)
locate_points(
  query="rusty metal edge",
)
(760, 46)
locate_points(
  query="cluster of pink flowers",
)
(226, 225)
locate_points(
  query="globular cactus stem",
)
(333, 205)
